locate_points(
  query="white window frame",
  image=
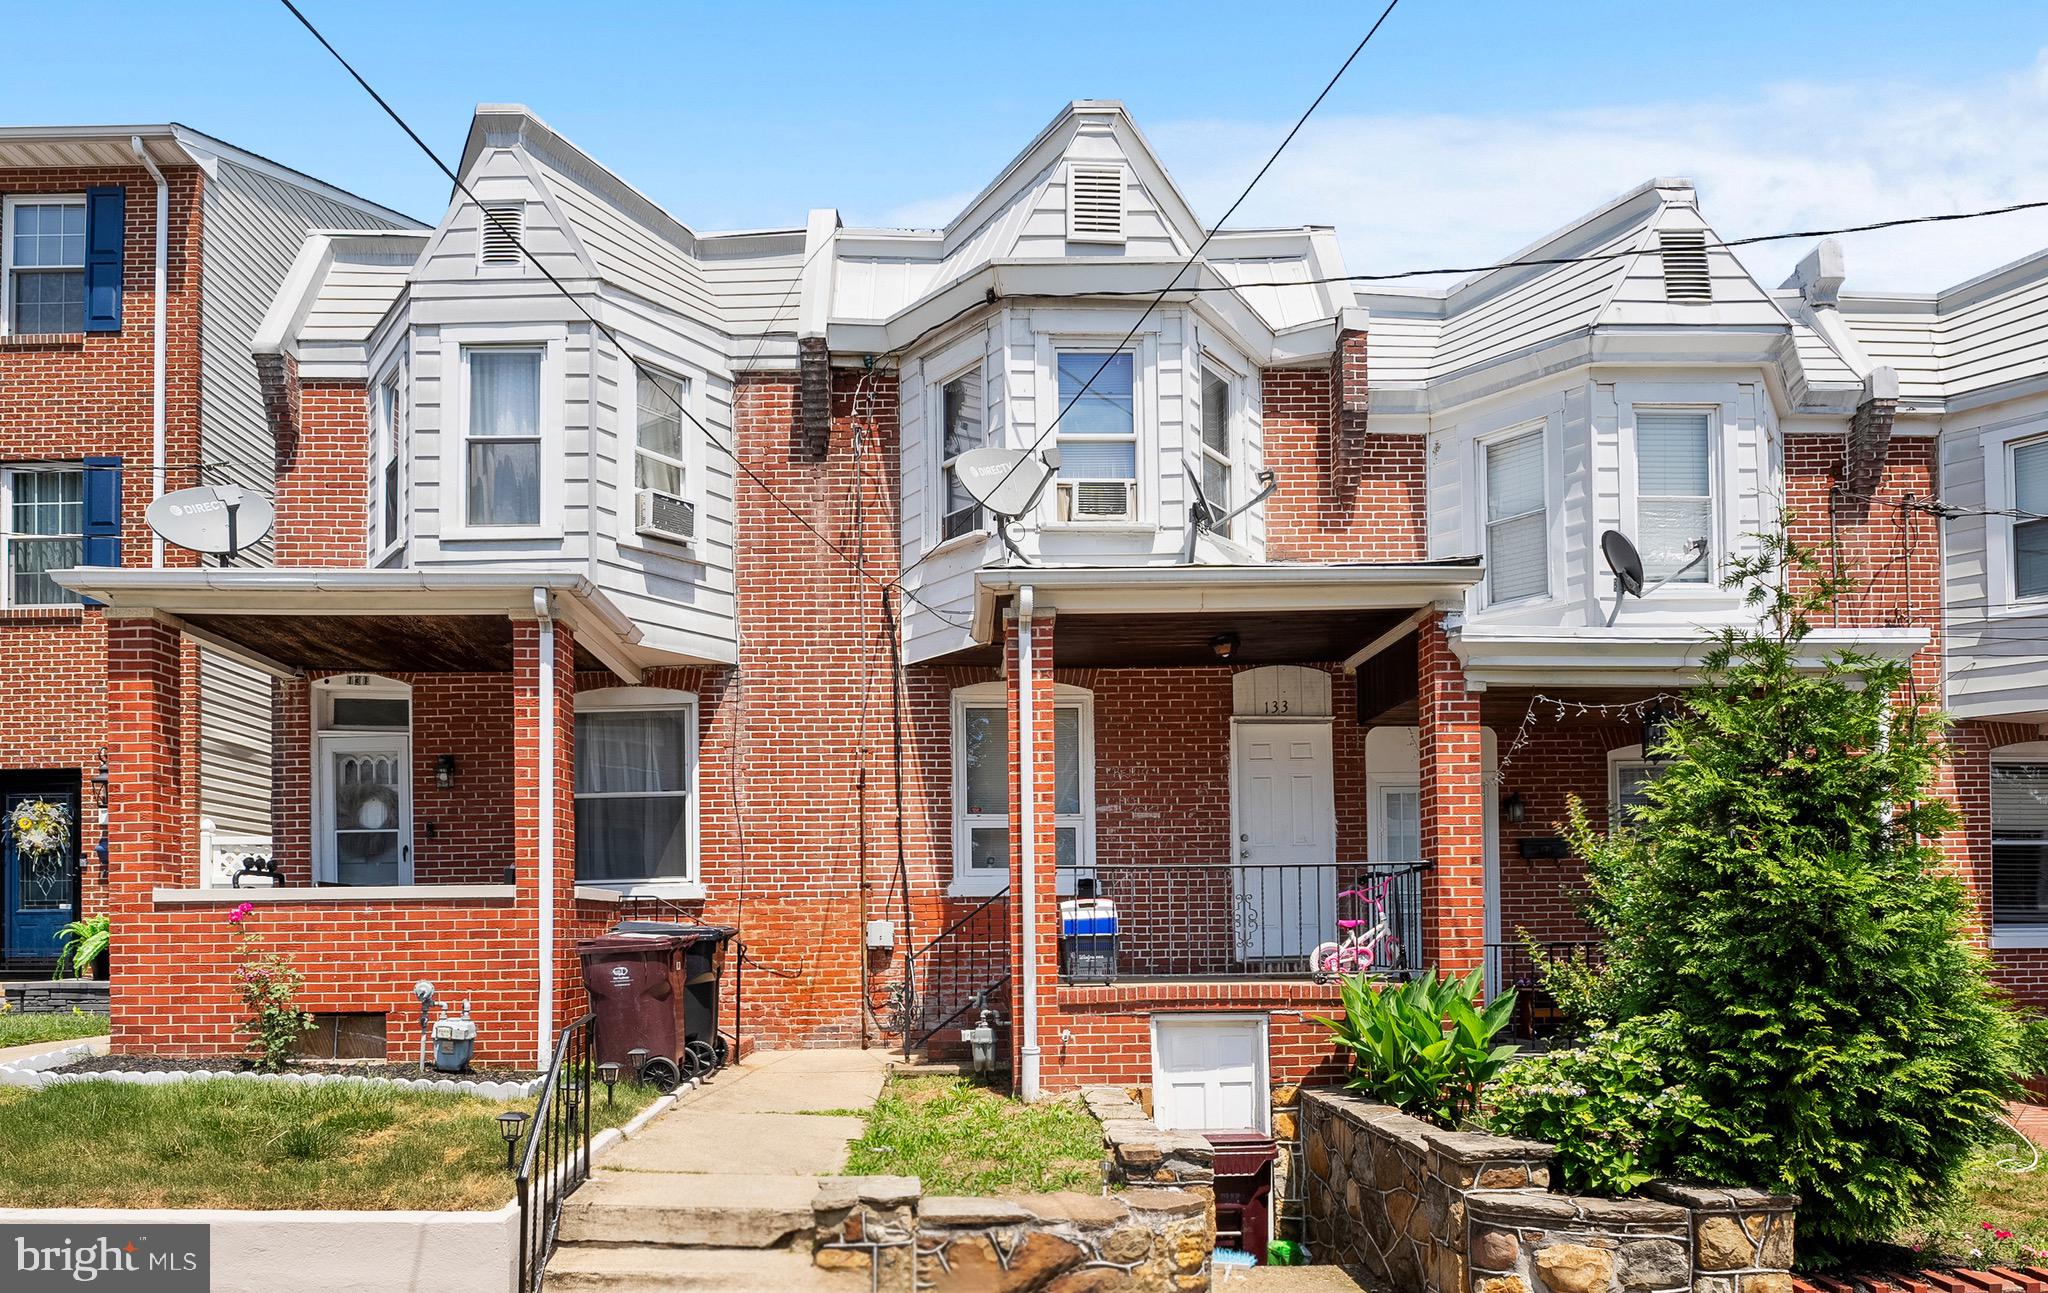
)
(686, 463)
(1626, 758)
(387, 455)
(1232, 457)
(978, 370)
(648, 699)
(329, 739)
(7, 207)
(965, 881)
(1717, 491)
(8, 475)
(552, 345)
(2007, 539)
(2012, 933)
(1482, 448)
(1143, 350)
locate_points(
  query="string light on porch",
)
(1658, 708)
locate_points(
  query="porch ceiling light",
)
(444, 771)
(1224, 645)
(510, 1124)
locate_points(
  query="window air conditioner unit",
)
(665, 516)
(1098, 500)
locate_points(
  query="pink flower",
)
(241, 913)
(1985, 1225)
(2001, 1234)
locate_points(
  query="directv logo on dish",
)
(161, 1259)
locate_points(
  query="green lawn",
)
(244, 1144)
(2013, 1203)
(17, 1029)
(961, 1138)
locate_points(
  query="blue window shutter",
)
(106, 232)
(102, 511)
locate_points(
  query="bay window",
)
(1674, 492)
(636, 777)
(386, 457)
(1216, 446)
(502, 437)
(1517, 524)
(981, 787)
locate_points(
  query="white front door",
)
(1285, 824)
(365, 811)
(1209, 1073)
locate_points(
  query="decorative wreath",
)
(42, 832)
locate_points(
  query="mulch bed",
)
(1939, 1279)
(238, 1063)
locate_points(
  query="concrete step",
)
(680, 1209)
(1288, 1279)
(643, 1269)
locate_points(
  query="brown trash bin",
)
(635, 994)
(1244, 1190)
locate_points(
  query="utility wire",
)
(603, 329)
(1111, 356)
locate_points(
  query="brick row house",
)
(667, 596)
(135, 262)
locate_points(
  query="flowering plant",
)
(268, 983)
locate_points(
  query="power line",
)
(514, 237)
(1111, 355)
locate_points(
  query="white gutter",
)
(1027, 786)
(544, 883)
(163, 251)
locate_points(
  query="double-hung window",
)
(963, 422)
(1631, 785)
(1216, 448)
(981, 778)
(502, 441)
(1098, 436)
(658, 459)
(387, 457)
(44, 530)
(45, 269)
(635, 778)
(1517, 524)
(2030, 524)
(2019, 844)
(1674, 492)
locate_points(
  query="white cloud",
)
(1407, 191)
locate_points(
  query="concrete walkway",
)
(8, 1053)
(716, 1193)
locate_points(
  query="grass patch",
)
(962, 1138)
(236, 1144)
(17, 1029)
(2010, 1202)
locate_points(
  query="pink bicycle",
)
(1365, 940)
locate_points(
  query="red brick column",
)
(1035, 673)
(530, 783)
(144, 831)
(1453, 807)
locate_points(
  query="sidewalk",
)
(7, 1053)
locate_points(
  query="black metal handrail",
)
(557, 1157)
(1522, 966)
(1177, 920)
(962, 966)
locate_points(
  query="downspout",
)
(1027, 791)
(545, 881)
(163, 252)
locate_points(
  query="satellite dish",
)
(1627, 565)
(1207, 515)
(212, 518)
(1008, 482)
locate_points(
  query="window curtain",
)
(1517, 529)
(632, 783)
(504, 429)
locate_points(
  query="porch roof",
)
(1281, 612)
(1646, 655)
(288, 621)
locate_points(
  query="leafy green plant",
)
(1423, 1046)
(83, 943)
(269, 984)
(1610, 1105)
(1781, 898)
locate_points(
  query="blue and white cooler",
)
(1088, 935)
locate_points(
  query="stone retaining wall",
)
(1461, 1212)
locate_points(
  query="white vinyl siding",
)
(963, 420)
(42, 528)
(502, 453)
(1517, 523)
(2030, 522)
(1674, 491)
(659, 460)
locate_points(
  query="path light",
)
(638, 1056)
(572, 1089)
(609, 1075)
(510, 1123)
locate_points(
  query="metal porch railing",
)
(557, 1158)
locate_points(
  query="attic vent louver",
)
(1686, 278)
(1095, 202)
(504, 224)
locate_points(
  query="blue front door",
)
(38, 888)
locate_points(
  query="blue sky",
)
(1467, 129)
